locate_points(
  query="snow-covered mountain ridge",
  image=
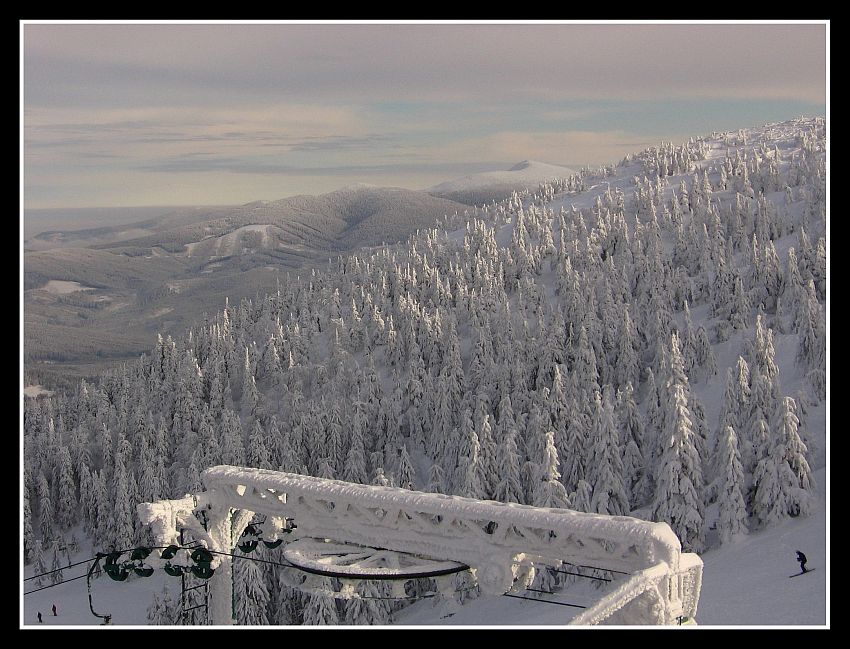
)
(589, 346)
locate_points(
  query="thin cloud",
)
(170, 112)
(172, 63)
(197, 164)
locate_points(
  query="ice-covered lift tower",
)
(496, 540)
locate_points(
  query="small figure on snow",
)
(39, 617)
(802, 559)
(54, 610)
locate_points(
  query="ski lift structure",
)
(334, 535)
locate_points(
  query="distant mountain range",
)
(159, 273)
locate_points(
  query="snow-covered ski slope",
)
(746, 582)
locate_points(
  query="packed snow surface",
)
(748, 582)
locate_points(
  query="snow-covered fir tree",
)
(163, 609)
(678, 497)
(730, 488)
(321, 609)
(38, 565)
(249, 591)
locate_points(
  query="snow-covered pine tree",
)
(406, 472)
(678, 496)
(469, 474)
(798, 478)
(289, 604)
(38, 565)
(576, 445)
(258, 453)
(231, 439)
(767, 500)
(163, 609)
(489, 468)
(321, 609)
(56, 563)
(443, 419)
(812, 348)
(644, 490)
(66, 511)
(509, 485)
(29, 534)
(627, 365)
(366, 609)
(99, 503)
(250, 395)
(436, 479)
(605, 470)
(334, 436)
(153, 610)
(355, 465)
(249, 592)
(630, 422)
(730, 486)
(122, 511)
(582, 496)
(324, 469)
(550, 492)
(45, 507)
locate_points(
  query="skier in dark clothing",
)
(39, 617)
(54, 610)
(802, 559)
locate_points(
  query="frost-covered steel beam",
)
(486, 535)
(494, 539)
(667, 596)
(167, 517)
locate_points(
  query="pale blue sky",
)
(128, 115)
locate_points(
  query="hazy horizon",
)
(131, 115)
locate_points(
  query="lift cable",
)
(58, 583)
(576, 574)
(619, 572)
(542, 601)
(50, 572)
(288, 564)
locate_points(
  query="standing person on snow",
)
(39, 617)
(54, 610)
(802, 559)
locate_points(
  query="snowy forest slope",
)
(160, 274)
(648, 338)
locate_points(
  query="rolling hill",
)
(159, 273)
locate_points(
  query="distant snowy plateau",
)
(645, 339)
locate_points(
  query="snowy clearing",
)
(35, 390)
(63, 287)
